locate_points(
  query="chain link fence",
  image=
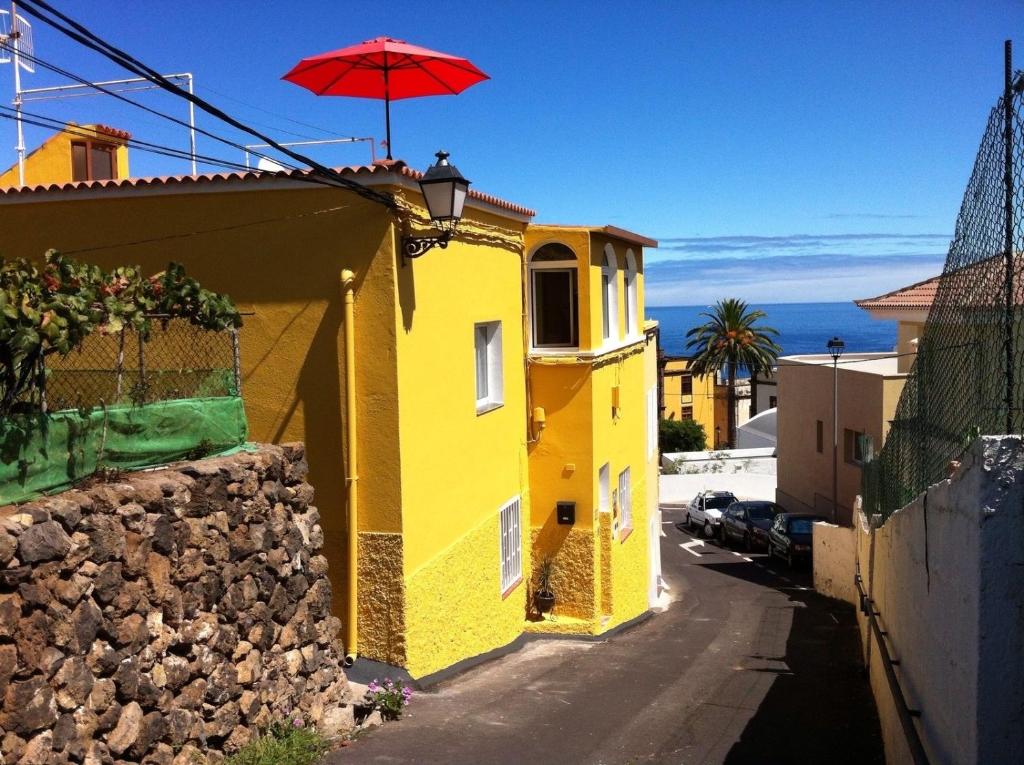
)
(178, 360)
(966, 378)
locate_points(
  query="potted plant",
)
(544, 596)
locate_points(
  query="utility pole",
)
(16, 61)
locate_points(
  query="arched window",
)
(609, 296)
(632, 325)
(553, 297)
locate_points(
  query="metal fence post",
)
(119, 368)
(1008, 203)
(142, 370)
(236, 360)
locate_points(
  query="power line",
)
(84, 36)
(330, 133)
(41, 120)
(78, 78)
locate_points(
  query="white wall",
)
(677, 489)
(835, 552)
(945, 574)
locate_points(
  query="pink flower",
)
(297, 722)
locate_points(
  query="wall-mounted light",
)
(444, 191)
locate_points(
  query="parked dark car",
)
(747, 522)
(789, 537)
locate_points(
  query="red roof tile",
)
(251, 176)
(919, 295)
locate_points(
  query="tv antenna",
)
(16, 39)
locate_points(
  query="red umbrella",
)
(388, 69)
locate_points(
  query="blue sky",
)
(780, 151)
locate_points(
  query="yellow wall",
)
(460, 467)
(708, 409)
(601, 571)
(620, 439)
(51, 161)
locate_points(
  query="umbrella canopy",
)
(386, 69)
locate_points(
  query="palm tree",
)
(731, 336)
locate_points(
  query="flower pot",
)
(544, 601)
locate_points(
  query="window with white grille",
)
(511, 545)
(625, 501)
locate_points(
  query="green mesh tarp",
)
(41, 454)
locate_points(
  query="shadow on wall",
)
(572, 550)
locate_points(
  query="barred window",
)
(511, 545)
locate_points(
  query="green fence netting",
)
(41, 454)
(967, 376)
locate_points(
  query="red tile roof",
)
(124, 135)
(252, 176)
(919, 295)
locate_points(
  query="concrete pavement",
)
(748, 665)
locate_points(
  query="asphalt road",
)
(748, 665)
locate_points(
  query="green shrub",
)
(284, 743)
(681, 436)
(53, 308)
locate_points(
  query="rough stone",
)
(8, 665)
(28, 706)
(44, 541)
(8, 546)
(86, 621)
(129, 725)
(74, 683)
(38, 750)
(166, 617)
(10, 613)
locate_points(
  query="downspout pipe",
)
(351, 470)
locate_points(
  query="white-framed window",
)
(609, 296)
(625, 501)
(489, 383)
(511, 545)
(652, 420)
(554, 298)
(632, 319)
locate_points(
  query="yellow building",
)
(694, 397)
(415, 386)
(594, 436)
(78, 153)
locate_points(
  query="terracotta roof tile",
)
(250, 176)
(919, 295)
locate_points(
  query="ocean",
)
(803, 327)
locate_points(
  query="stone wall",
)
(166, 615)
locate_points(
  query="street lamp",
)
(444, 191)
(835, 348)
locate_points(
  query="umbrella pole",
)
(387, 123)
(387, 103)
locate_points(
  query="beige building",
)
(869, 387)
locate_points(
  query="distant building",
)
(78, 153)
(686, 396)
(869, 386)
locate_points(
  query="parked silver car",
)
(705, 511)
